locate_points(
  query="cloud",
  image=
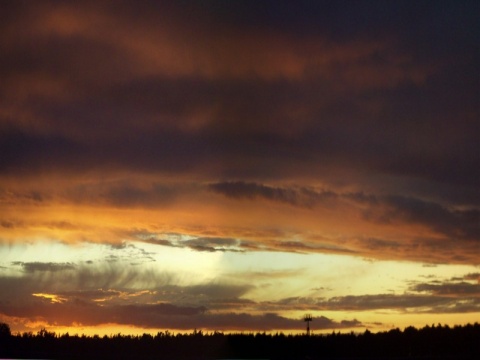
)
(473, 276)
(110, 295)
(124, 194)
(237, 93)
(271, 274)
(382, 301)
(440, 298)
(253, 243)
(351, 323)
(299, 197)
(457, 289)
(146, 315)
(450, 223)
(382, 226)
(212, 244)
(217, 290)
(202, 243)
(36, 266)
(232, 127)
(7, 224)
(454, 223)
(116, 282)
(164, 316)
(380, 208)
(62, 278)
(449, 289)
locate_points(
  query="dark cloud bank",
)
(254, 125)
(464, 224)
(344, 93)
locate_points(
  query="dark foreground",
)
(430, 342)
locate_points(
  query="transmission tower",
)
(307, 318)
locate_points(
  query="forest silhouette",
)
(429, 342)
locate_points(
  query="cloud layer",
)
(92, 295)
(219, 129)
(233, 99)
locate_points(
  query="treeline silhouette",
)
(430, 342)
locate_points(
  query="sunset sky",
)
(233, 165)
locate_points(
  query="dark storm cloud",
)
(212, 244)
(116, 281)
(146, 315)
(54, 277)
(304, 248)
(99, 300)
(26, 197)
(36, 266)
(130, 253)
(197, 243)
(350, 111)
(150, 136)
(414, 23)
(452, 296)
(299, 197)
(167, 306)
(410, 302)
(454, 289)
(124, 194)
(351, 323)
(454, 223)
(459, 289)
(429, 250)
(7, 224)
(381, 244)
(473, 276)
(463, 224)
(162, 316)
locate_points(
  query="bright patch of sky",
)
(274, 275)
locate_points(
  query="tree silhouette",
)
(5, 332)
(439, 342)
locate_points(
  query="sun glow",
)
(52, 297)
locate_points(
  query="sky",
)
(232, 166)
